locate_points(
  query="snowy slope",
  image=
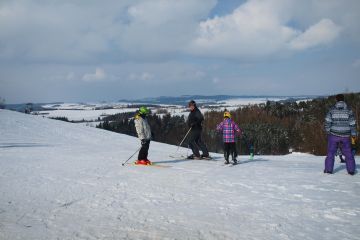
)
(64, 181)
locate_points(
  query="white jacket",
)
(142, 128)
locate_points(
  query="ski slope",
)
(60, 180)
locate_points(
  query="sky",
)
(87, 50)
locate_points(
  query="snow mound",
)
(60, 180)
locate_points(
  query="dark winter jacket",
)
(340, 121)
(195, 119)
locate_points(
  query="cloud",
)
(99, 75)
(260, 29)
(139, 30)
(145, 76)
(321, 33)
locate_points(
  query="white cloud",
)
(145, 76)
(131, 30)
(323, 32)
(260, 29)
(99, 75)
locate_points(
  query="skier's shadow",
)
(343, 167)
(252, 161)
(174, 161)
(214, 159)
(22, 145)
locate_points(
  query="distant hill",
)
(208, 99)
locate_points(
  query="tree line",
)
(271, 128)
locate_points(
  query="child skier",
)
(229, 128)
(144, 133)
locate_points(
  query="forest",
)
(273, 128)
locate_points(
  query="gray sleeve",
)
(352, 123)
(328, 122)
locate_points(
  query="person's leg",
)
(194, 135)
(350, 160)
(202, 146)
(331, 151)
(143, 153)
(233, 152)
(226, 152)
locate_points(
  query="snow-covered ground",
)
(60, 180)
(87, 115)
(91, 111)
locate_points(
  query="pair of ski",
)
(160, 165)
(230, 164)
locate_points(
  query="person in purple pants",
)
(340, 125)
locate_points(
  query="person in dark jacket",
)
(340, 125)
(195, 120)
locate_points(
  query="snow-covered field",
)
(87, 115)
(65, 181)
(90, 111)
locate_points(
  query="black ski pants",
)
(143, 153)
(195, 142)
(230, 150)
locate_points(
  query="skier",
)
(229, 128)
(340, 125)
(144, 133)
(195, 120)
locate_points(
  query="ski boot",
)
(226, 159)
(234, 159)
(206, 157)
(143, 162)
(193, 157)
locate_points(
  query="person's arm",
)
(352, 123)
(198, 118)
(236, 128)
(328, 122)
(220, 126)
(139, 129)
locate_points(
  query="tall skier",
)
(144, 134)
(229, 128)
(340, 124)
(195, 120)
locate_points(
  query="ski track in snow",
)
(64, 181)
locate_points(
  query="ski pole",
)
(131, 156)
(182, 141)
(184, 138)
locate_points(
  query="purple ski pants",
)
(346, 151)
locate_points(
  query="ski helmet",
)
(143, 110)
(227, 114)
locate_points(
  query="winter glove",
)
(143, 141)
(353, 140)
